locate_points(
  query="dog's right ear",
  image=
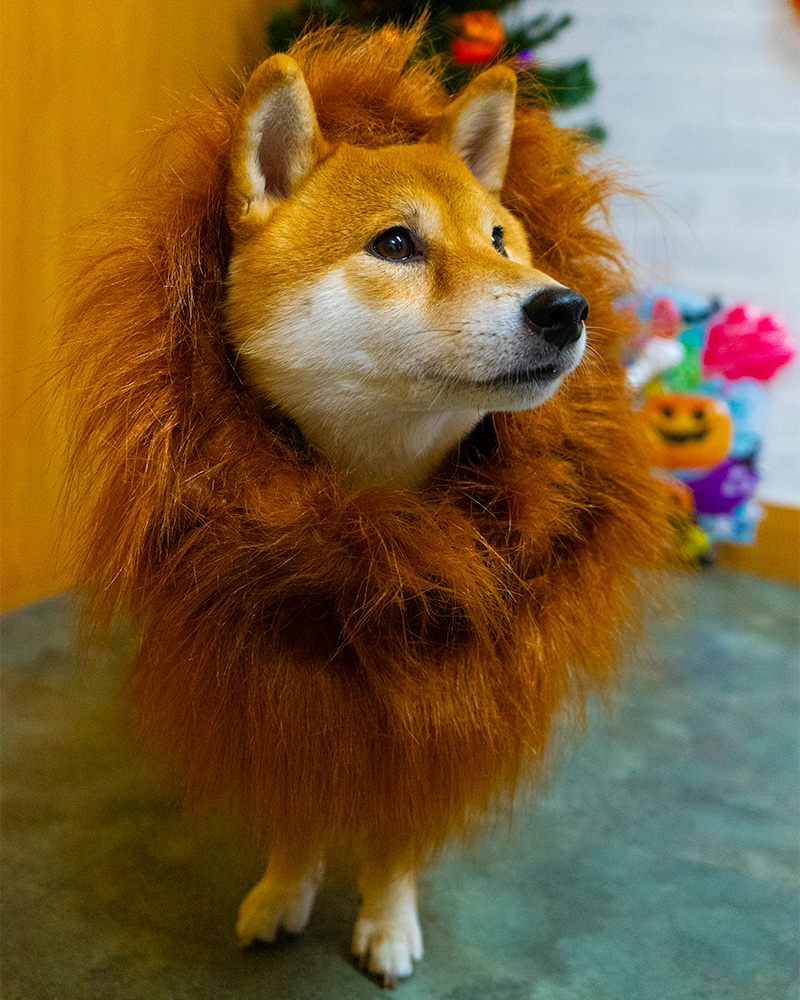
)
(277, 141)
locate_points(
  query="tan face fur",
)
(384, 364)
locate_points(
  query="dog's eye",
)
(497, 240)
(396, 243)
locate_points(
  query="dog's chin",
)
(530, 378)
(521, 388)
(521, 385)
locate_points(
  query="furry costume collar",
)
(375, 663)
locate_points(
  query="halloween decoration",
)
(700, 369)
(687, 432)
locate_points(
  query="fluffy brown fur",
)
(381, 665)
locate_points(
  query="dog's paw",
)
(388, 946)
(271, 907)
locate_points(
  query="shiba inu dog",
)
(376, 511)
(404, 307)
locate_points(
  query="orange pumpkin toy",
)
(687, 432)
(373, 666)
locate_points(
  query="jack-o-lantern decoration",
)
(687, 432)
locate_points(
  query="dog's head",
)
(389, 276)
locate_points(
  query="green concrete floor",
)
(661, 863)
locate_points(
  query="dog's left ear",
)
(479, 123)
(277, 142)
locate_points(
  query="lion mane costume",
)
(378, 665)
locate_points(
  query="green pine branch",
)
(556, 86)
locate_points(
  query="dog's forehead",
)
(423, 183)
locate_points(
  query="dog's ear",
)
(478, 125)
(277, 141)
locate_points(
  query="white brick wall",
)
(701, 99)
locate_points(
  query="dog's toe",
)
(388, 948)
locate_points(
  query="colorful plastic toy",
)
(687, 432)
(743, 342)
(700, 370)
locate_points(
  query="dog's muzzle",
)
(557, 314)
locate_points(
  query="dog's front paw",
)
(387, 945)
(271, 907)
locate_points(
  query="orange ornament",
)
(480, 37)
(687, 432)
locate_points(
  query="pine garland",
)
(466, 36)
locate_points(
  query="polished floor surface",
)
(662, 861)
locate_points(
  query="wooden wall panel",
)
(776, 552)
(82, 83)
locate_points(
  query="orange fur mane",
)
(376, 664)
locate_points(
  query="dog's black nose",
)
(558, 315)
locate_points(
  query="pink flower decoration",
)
(743, 342)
